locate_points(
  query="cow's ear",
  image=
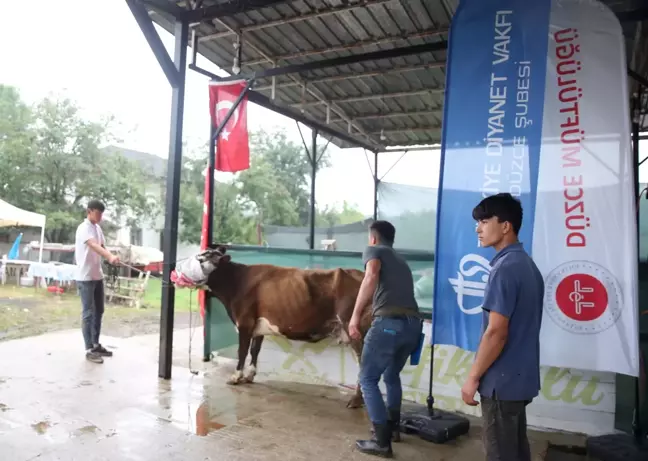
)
(225, 259)
(221, 248)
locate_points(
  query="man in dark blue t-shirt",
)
(506, 371)
(393, 336)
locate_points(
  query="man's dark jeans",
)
(387, 346)
(505, 429)
(92, 301)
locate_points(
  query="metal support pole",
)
(174, 165)
(313, 159)
(376, 184)
(637, 430)
(155, 42)
(210, 240)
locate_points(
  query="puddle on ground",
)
(84, 430)
(205, 424)
(41, 427)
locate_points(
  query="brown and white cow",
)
(298, 304)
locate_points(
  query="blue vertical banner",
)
(492, 134)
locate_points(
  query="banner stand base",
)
(613, 447)
(438, 427)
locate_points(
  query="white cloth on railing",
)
(58, 272)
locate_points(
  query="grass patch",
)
(183, 297)
(26, 311)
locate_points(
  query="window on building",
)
(136, 236)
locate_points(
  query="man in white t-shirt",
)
(89, 247)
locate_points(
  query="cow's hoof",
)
(236, 378)
(356, 402)
(250, 373)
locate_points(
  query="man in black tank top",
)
(394, 334)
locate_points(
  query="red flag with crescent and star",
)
(232, 145)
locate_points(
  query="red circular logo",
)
(582, 297)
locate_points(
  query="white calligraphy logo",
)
(465, 287)
(226, 106)
(577, 297)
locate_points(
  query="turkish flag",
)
(232, 145)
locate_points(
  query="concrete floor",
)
(54, 405)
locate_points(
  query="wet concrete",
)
(54, 405)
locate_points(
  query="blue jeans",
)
(387, 346)
(92, 302)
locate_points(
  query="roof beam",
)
(304, 17)
(638, 78)
(369, 97)
(165, 6)
(310, 90)
(155, 42)
(637, 15)
(386, 115)
(425, 129)
(355, 45)
(355, 75)
(412, 146)
(419, 147)
(264, 101)
(346, 60)
(228, 9)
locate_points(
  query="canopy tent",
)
(11, 216)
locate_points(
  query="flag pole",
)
(208, 234)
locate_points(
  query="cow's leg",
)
(255, 348)
(357, 401)
(245, 336)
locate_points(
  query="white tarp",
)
(13, 216)
(141, 255)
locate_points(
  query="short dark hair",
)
(96, 205)
(503, 206)
(384, 230)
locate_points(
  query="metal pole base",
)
(613, 447)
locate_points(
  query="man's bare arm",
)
(99, 249)
(367, 288)
(491, 345)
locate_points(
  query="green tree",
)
(330, 216)
(275, 190)
(16, 146)
(229, 225)
(291, 167)
(51, 163)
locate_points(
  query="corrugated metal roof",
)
(387, 102)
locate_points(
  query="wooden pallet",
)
(128, 290)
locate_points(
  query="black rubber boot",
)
(380, 444)
(394, 423)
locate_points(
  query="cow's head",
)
(213, 258)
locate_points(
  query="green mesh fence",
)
(222, 334)
(411, 209)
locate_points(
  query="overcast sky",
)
(95, 53)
